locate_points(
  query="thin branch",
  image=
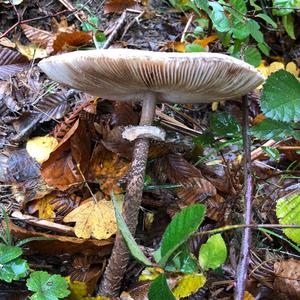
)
(242, 268)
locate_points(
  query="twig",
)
(19, 22)
(242, 269)
(120, 23)
(242, 226)
(187, 26)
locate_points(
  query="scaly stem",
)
(116, 268)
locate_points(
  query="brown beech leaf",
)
(60, 170)
(68, 41)
(287, 280)
(11, 62)
(93, 219)
(58, 244)
(115, 6)
(123, 114)
(37, 36)
(107, 168)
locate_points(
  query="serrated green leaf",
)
(252, 56)
(223, 124)
(129, 239)
(213, 253)
(218, 17)
(254, 30)
(46, 286)
(288, 212)
(188, 285)
(281, 97)
(14, 270)
(270, 129)
(159, 289)
(9, 253)
(268, 19)
(179, 230)
(288, 23)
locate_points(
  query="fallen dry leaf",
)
(115, 6)
(32, 51)
(40, 147)
(93, 219)
(45, 207)
(37, 36)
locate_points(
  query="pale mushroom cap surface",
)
(125, 75)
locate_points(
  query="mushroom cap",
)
(125, 75)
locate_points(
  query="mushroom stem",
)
(116, 268)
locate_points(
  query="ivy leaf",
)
(46, 286)
(223, 124)
(178, 231)
(271, 129)
(281, 97)
(254, 30)
(14, 270)
(288, 212)
(218, 17)
(268, 20)
(213, 253)
(159, 289)
(129, 239)
(288, 23)
(252, 56)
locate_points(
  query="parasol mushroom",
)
(151, 77)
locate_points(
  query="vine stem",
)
(242, 268)
(116, 268)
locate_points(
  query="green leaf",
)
(218, 17)
(91, 24)
(288, 23)
(206, 139)
(129, 240)
(264, 48)
(270, 129)
(223, 124)
(288, 212)
(281, 97)
(268, 20)
(285, 7)
(203, 4)
(271, 152)
(159, 289)
(253, 4)
(194, 48)
(179, 230)
(239, 5)
(9, 253)
(254, 30)
(182, 261)
(213, 253)
(14, 270)
(252, 56)
(240, 31)
(46, 286)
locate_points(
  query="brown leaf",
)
(62, 244)
(123, 114)
(37, 36)
(68, 41)
(93, 219)
(287, 279)
(115, 6)
(11, 62)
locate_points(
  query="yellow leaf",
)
(188, 285)
(78, 289)
(248, 296)
(204, 42)
(93, 219)
(40, 147)
(214, 106)
(292, 68)
(150, 274)
(45, 208)
(31, 51)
